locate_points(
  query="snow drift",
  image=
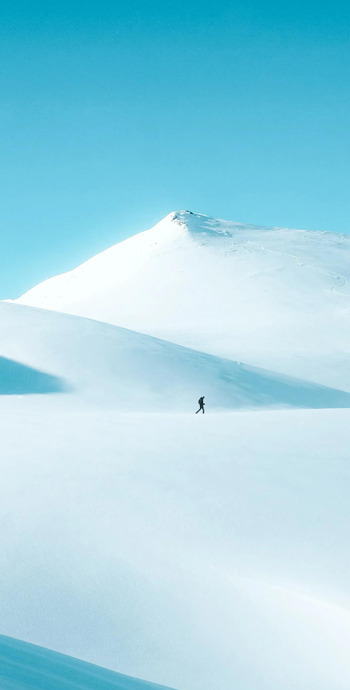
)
(24, 666)
(110, 365)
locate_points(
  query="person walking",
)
(201, 404)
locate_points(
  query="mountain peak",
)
(199, 223)
(181, 216)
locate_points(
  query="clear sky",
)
(115, 113)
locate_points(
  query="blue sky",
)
(113, 114)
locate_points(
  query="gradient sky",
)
(115, 113)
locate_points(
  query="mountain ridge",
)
(275, 298)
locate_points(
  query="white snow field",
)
(272, 297)
(193, 551)
(48, 352)
(199, 552)
(24, 666)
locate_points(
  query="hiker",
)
(201, 404)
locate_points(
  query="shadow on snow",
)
(19, 379)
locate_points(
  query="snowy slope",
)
(199, 552)
(24, 666)
(191, 551)
(48, 352)
(272, 297)
(196, 552)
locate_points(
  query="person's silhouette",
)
(201, 404)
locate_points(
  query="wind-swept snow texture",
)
(26, 667)
(273, 297)
(110, 365)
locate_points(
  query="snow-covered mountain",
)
(193, 551)
(272, 297)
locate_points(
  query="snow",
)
(24, 666)
(195, 551)
(275, 298)
(43, 351)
